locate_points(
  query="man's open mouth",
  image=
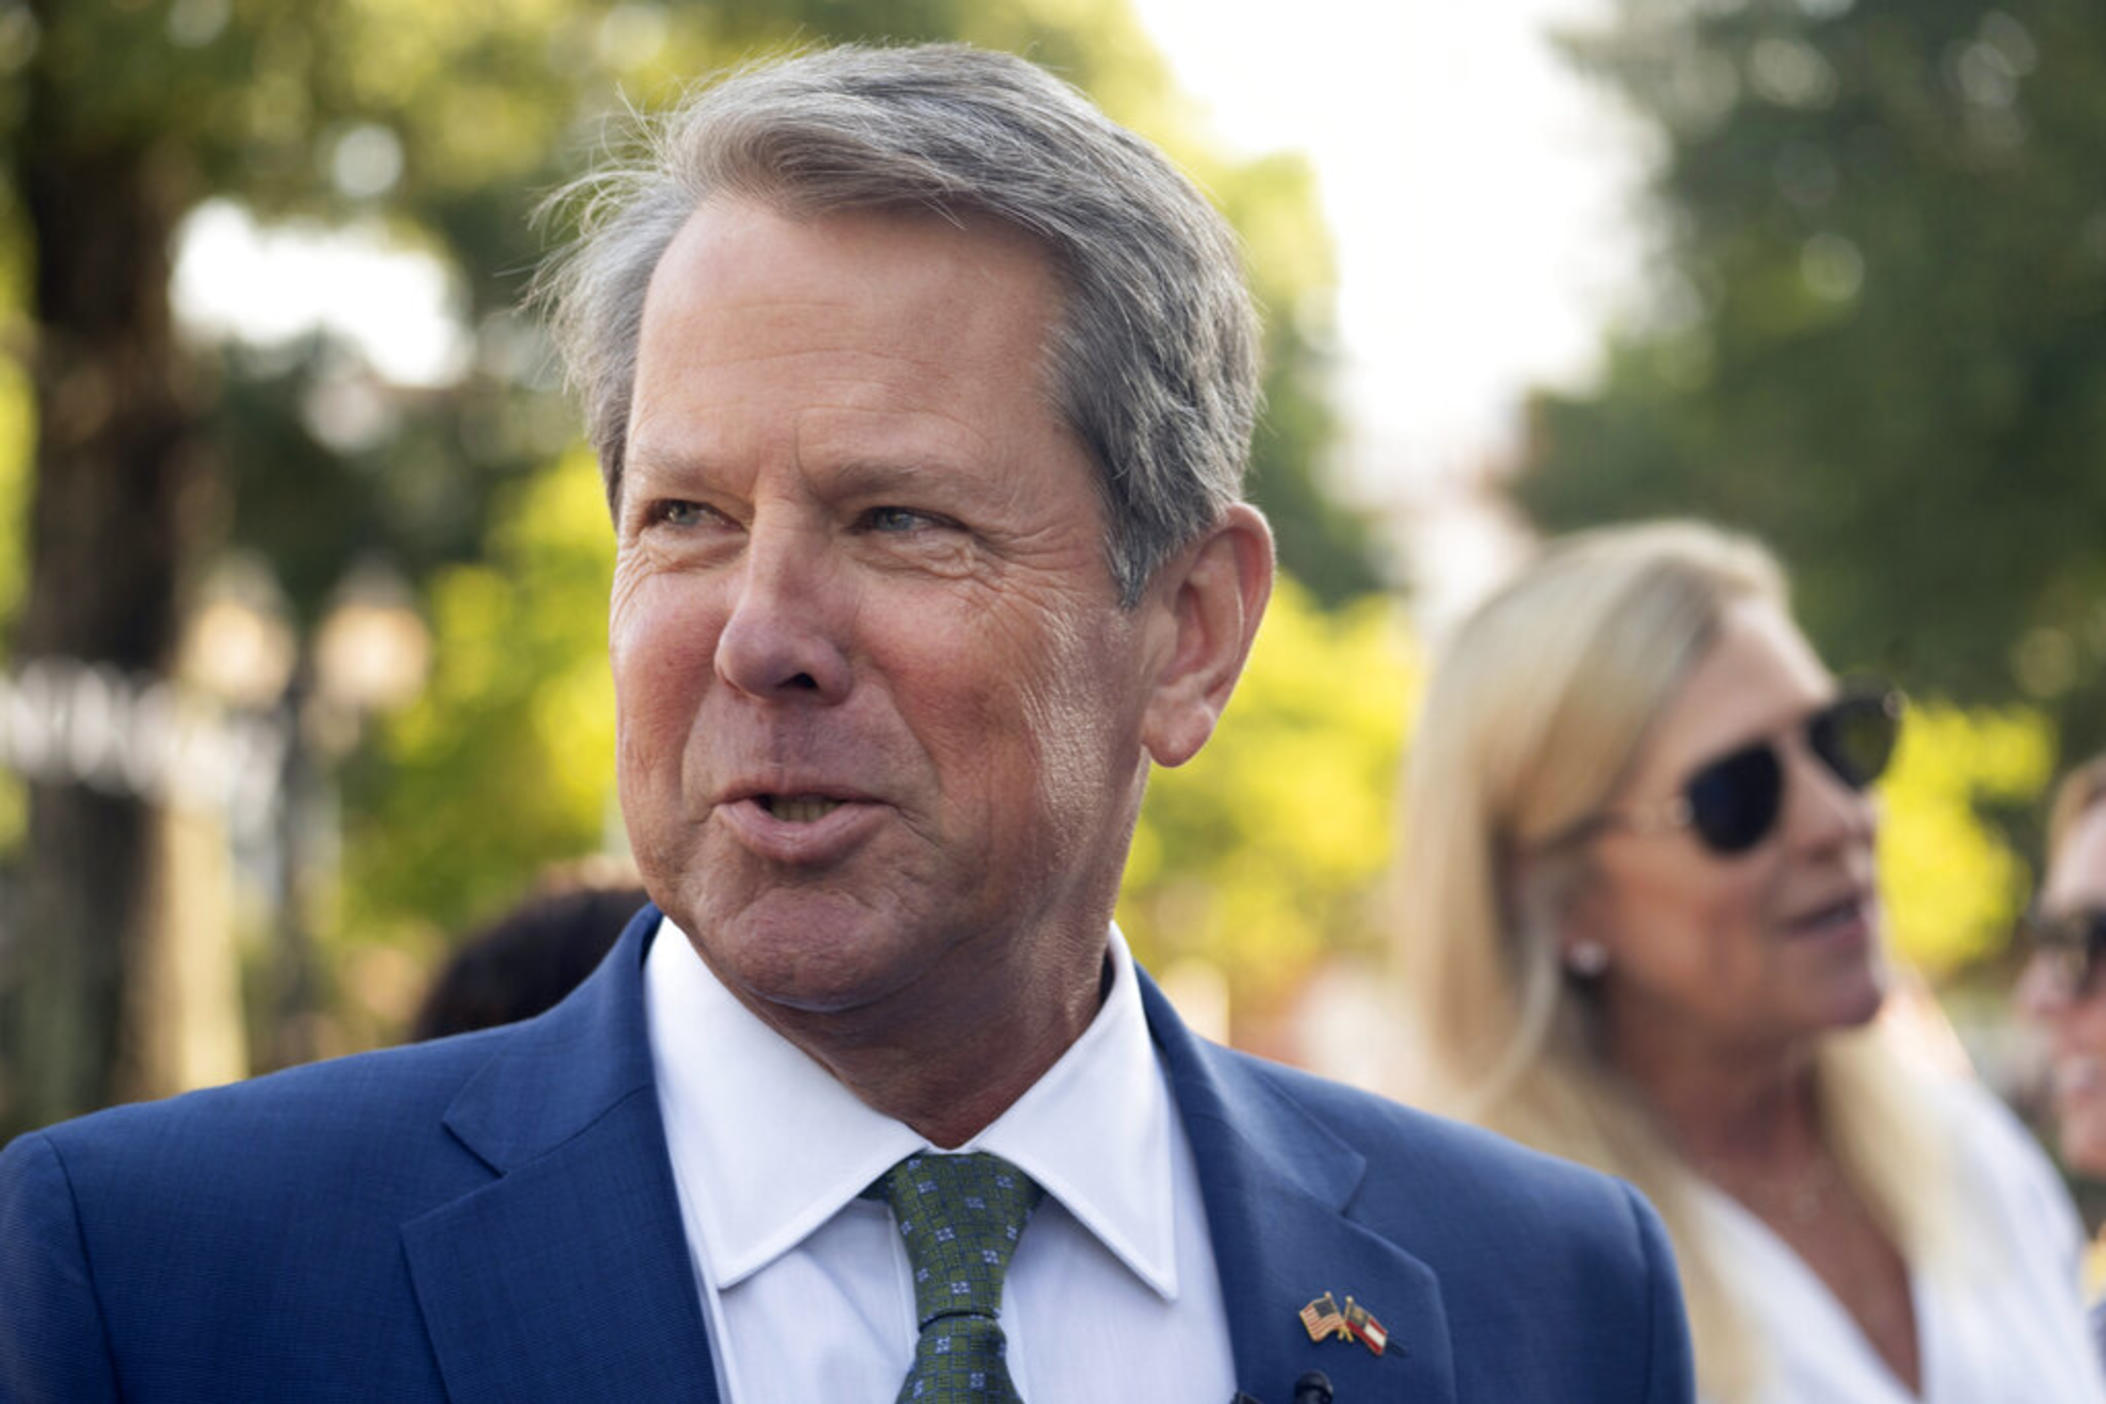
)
(798, 809)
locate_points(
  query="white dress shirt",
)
(2001, 1324)
(1112, 1294)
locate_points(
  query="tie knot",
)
(960, 1217)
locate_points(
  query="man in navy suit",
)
(923, 395)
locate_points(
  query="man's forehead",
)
(742, 280)
(876, 341)
(947, 252)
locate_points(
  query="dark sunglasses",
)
(1732, 803)
(2072, 945)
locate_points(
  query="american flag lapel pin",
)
(1322, 1319)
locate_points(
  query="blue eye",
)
(682, 513)
(892, 519)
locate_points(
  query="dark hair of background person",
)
(525, 961)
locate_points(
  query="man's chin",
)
(813, 962)
(821, 985)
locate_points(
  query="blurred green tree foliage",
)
(434, 129)
(1951, 882)
(1260, 855)
(1879, 336)
(506, 763)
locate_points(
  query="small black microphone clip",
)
(1314, 1387)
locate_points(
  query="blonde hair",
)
(1536, 714)
(2080, 792)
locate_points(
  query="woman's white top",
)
(2002, 1324)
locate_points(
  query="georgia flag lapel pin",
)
(1363, 1327)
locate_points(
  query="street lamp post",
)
(370, 653)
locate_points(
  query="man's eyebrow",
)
(671, 460)
(668, 467)
(865, 476)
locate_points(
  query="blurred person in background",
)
(2062, 989)
(1641, 928)
(528, 959)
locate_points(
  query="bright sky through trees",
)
(277, 284)
(1478, 190)
(1480, 195)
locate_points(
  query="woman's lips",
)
(1846, 920)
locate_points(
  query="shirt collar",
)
(770, 1146)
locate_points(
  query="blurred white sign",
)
(67, 722)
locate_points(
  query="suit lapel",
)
(1277, 1184)
(568, 1276)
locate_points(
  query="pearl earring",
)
(1587, 959)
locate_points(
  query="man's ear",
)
(1210, 596)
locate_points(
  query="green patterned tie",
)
(959, 1216)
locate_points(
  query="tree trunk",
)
(117, 476)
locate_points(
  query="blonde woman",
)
(1641, 929)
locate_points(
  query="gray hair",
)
(1154, 357)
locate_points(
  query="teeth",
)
(800, 809)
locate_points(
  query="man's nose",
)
(784, 638)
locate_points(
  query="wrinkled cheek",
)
(649, 727)
(1084, 753)
(632, 760)
(661, 676)
(661, 639)
(1053, 753)
(665, 623)
(649, 794)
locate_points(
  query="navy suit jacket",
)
(492, 1218)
